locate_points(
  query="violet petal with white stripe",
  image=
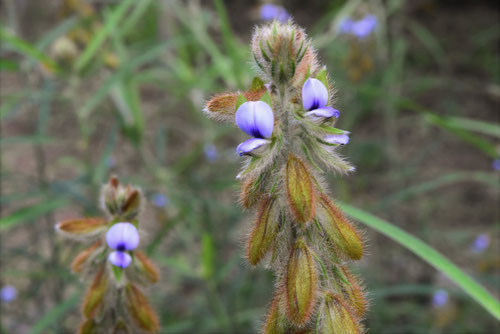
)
(252, 146)
(325, 112)
(337, 139)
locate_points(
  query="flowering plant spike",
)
(114, 302)
(298, 230)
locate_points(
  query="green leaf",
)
(99, 38)
(266, 97)
(30, 213)
(240, 100)
(257, 84)
(53, 315)
(207, 256)
(485, 128)
(323, 77)
(430, 255)
(27, 49)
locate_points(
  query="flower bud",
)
(88, 327)
(278, 50)
(343, 238)
(122, 237)
(255, 119)
(82, 228)
(353, 293)
(299, 189)
(301, 284)
(336, 317)
(121, 201)
(222, 107)
(265, 230)
(275, 322)
(81, 258)
(146, 267)
(140, 310)
(250, 192)
(96, 293)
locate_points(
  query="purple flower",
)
(8, 293)
(337, 139)
(251, 146)
(361, 28)
(159, 200)
(480, 243)
(122, 237)
(120, 259)
(439, 298)
(255, 119)
(314, 94)
(496, 164)
(269, 12)
(210, 153)
(324, 112)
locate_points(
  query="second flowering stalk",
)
(298, 230)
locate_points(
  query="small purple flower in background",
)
(269, 12)
(8, 293)
(120, 259)
(159, 200)
(122, 237)
(342, 139)
(211, 152)
(440, 298)
(110, 161)
(496, 164)
(315, 99)
(256, 119)
(361, 28)
(480, 243)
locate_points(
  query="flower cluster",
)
(298, 230)
(361, 28)
(114, 302)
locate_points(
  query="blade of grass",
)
(482, 127)
(55, 314)
(430, 255)
(99, 38)
(28, 50)
(30, 213)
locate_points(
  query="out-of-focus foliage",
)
(90, 88)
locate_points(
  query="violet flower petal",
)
(120, 259)
(314, 94)
(249, 146)
(337, 139)
(364, 27)
(256, 119)
(269, 12)
(325, 112)
(122, 237)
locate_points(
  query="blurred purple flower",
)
(159, 200)
(480, 243)
(8, 293)
(496, 164)
(256, 119)
(337, 139)
(120, 259)
(122, 237)
(250, 146)
(361, 28)
(439, 298)
(110, 161)
(269, 12)
(211, 152)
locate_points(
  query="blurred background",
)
(93, 87)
